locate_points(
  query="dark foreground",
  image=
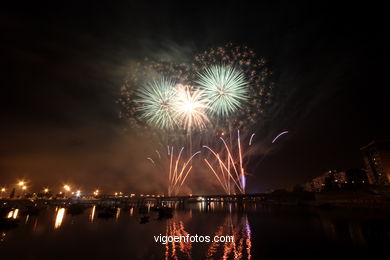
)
(260, 231)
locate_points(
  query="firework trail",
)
(228, 166)
(177, 167)
(279, 135)
(150, 159)
(269, 147)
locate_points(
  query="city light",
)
(21, 183)
(67, 187)
(46, 190)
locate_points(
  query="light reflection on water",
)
(59, 218)
(92, 215)
(259, 231)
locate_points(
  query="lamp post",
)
(3, 190)
(67, 189)
(24, 188)
(21, 184)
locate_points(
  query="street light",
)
(67, 187)
(46, 190)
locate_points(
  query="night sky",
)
(63, 67)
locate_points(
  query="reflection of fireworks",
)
(229, 165)
(176, 228)
(178, 169)
(224, 87)
(190, 108)
(240, 248)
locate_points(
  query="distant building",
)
(317, 184)
(339, 178)
(330, 180)
(377, 159)
(357, 177)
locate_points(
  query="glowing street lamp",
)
(21, 183)
(46, 190)
(67, 187)
(2, 191)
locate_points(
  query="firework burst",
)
(259, 89)
(224, 87)
(190, 108)
(156, 101)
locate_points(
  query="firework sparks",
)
(224, 87)
(156, 101)
(190, 108)
(178, 168)
(259, 87)
(250, 140)
(151, 160)
(230, 169)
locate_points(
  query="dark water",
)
(260, 232)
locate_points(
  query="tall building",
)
(377, 159)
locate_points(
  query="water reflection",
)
(59, 218)
(240, 248)
(118, 212)
(175, 227)
(92, 215)
(13, 214)
(310, 229)
(2, 237)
